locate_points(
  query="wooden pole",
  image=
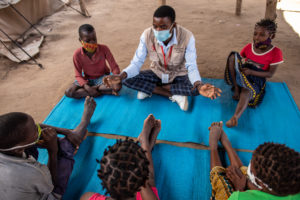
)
(162, 2)
(271, 9)
(238, 8)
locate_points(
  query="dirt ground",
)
(119, 24)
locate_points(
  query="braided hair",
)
(268, 24)
(279, 167)
(123, 169)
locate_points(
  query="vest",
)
(176, 62)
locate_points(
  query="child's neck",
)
(259, 51)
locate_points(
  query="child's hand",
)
(113, 81)
(210, 91)
(49, 140)
(238, 179)
(246, 71)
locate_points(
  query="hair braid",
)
(123, 169)
(268, 24)
(279, 167)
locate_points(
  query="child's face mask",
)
(89, 47)
(264, 44)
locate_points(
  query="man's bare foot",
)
(236, 94)
(232, 122)
(154, 133)
(143, 138)
(215, 133)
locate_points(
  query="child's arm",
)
(111, 61)
(73, 138)
(49, 142)
(266, 74)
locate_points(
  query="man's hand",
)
(49, 140)
(208, 90)
(114, 82)
(246, 71)
(238, 179)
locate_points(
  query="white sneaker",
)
(142, 95)
(182, 101)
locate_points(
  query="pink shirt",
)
(94, 67)
(138, 195)
(271, 57)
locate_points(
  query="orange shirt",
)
(94, 67)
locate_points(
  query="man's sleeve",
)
(138, 60)
(191, 61)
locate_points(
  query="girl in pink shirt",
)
(126, 168)
(247, 71)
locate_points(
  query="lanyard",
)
(166, 63)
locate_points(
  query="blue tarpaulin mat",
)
(180, 172)
(276, 119)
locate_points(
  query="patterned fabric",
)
(222, 187)
(256, 85)
(146, 81)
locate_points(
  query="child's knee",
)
(231, 58)
(69, 93)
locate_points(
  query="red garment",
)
(96, 66)
(271, 57)
(138, 195)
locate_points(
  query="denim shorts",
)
(92, 82)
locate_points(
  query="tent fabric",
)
(5, 3)
(14, 25)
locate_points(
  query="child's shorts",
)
(222, 187)
(92, 82)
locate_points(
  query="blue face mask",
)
(162, 35)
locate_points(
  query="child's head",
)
(87, 37)
(87, 33)
(123, 169)
(264, 32)
(276, 168)
(17, 130)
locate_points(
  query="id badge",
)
(165, 78)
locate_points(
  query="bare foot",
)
(89, 108)
(232, 122)
(236, 94)
(154, 133)
(143, 138)
(215, 133)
